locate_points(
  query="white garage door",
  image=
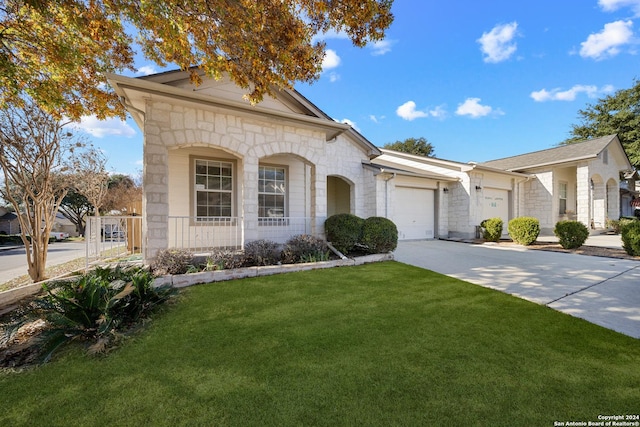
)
(414, 213)
(496, 205)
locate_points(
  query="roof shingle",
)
(564, 153)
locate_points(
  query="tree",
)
(619, 114)
(123, 195)
(90, 176)
(31, 147)
(419, 147)
(58, 51)
(75, 207)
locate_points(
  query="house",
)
(579, 181)
(9, 223)
(219, 172)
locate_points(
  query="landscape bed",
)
(377, 344)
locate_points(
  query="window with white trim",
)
(272, 191)
(562, 194)
(213, 188)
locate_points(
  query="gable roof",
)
(134, 91)
(566, 153)
(431, 166)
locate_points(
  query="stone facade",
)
(175, 134)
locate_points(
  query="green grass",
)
(380, 344)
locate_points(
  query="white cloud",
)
(102, 128)
(613, 5)
(408, 112)
(607, 42)
(381, 47)
(350, 123)
(146, 70)
(498, 44)
(334, 77)
(331, 60)
(569, 95)
(472, 107)
(439, 112)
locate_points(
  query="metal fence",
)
(113, 237)
(116, 237)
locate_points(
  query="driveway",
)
(604, 291)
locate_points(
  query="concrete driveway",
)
(604, 291)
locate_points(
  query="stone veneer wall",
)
(249, 139)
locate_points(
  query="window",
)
(605, 156)
(562, 194)
(271, 192)
(213, 188)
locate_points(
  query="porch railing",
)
(201, 234)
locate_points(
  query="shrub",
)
(171, 261)
(344, 231)
(571, 234)
(630, 233)
(304, 248)
(491, 229)
(524, 230)
(379, 235)
(261, 252)
(225, 259)
(97, 307)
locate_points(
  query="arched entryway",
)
(338, 195)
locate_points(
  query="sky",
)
(480, 80)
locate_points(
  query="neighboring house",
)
(9, 223)
(219, 172)
(64, 224)
(576, 181)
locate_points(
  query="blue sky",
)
(478, 80)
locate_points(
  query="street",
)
(13, 262)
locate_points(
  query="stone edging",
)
(12, 296)
(184, 280)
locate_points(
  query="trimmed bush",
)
(379, 235)
(492, 229)
(261, 252)
(630, 233)
(225, 259)
(344, 231)
(305, 248)
(171, 261)
(524, 230)
(571, 234)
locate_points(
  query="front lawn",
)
(380, 344)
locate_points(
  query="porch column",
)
(583, 195)
(155, 198)
(318, 199)
(249, 199)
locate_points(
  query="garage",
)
(496, 205)
(414, 213)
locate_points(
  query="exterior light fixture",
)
(478, 188)
(445, 190)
